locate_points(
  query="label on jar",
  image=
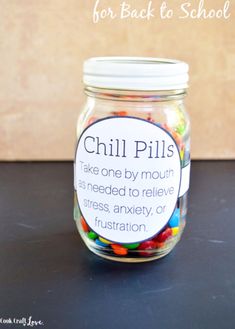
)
(127, 178)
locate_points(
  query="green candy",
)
(181, 129)
(92, 235)
(131, 246)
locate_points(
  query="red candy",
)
(159, 244)
(147, 245)
(163, 236)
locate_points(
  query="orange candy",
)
(84, 225)
(119, 250)
(91, 120)
(120, 113)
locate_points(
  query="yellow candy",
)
(182, 154)
(105, 241)
(175, 230)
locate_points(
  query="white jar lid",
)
(135, 73)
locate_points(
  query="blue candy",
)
(175, 218)
(101, 244)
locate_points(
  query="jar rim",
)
(135, 73)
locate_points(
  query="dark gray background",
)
(47, 272)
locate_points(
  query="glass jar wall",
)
(132, 166)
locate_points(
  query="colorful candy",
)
(131, 246)
(159, 244)
(164, 235)
(173, 133)
(119, 250)
(92, 235)
(146, 245)
(131, 173)
(120, 113)
(85, 227)
(175, 218)
(91, 120)
(105, 241)
(175, 231)
(181, 129)
(182, 154)
(100, 243)
(145, 248)
(150, 118)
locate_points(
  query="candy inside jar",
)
(132, 160)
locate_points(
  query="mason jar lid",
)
(135, 73)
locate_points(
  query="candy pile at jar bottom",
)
(145, 248)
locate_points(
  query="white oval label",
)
(127, 178)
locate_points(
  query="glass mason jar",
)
(132, 161)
